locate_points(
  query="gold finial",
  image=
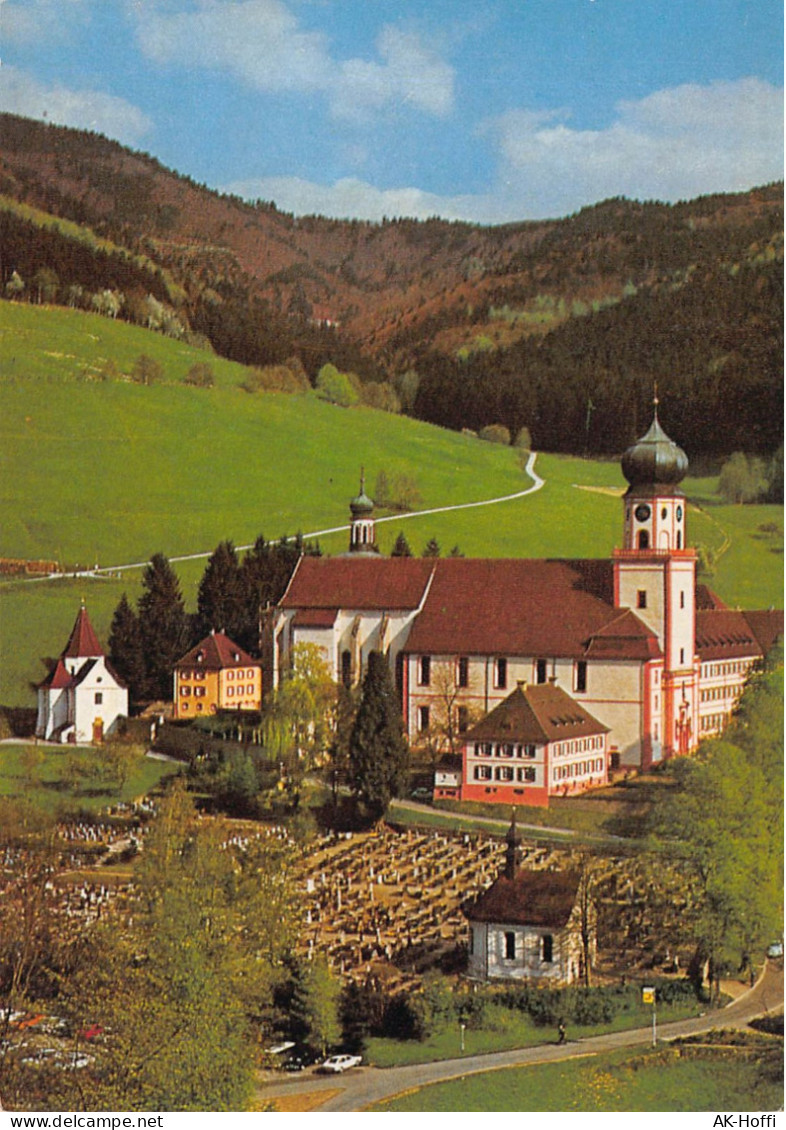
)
(655, 400)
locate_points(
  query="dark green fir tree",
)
(378, 753)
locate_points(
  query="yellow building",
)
(216, 675)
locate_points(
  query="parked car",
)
(335, 1064)
(422, 794)
(299, 1061)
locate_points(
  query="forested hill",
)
(560, 326)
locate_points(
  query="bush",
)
(495, 433)
(200, 376)
(336, 387)
(524, 439)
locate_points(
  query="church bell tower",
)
(362, 527)
(655, 576)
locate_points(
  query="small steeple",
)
(513, 851)
(655, 459)
(362, 532)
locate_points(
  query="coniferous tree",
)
(126, 651)
(219, 602)
(431, 548)
(378, 751)
(401, 547)
(163, 625)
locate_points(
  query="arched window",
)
(644, 539)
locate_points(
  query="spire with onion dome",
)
(362, 531)
(654, 461)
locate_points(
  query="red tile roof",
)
(315, 617)
(83, 642)
(538, 714)
(527, 608)
(726, 634)
(358, 583)
(532, 898)
(707, 600)
(216, 652)
(767, 626)
(58, 678)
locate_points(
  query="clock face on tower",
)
(642, 512)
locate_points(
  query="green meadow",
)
(110, 472)
(624, 1081)
(42, 775)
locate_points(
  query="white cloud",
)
(35, 20)
(674, 144)
(671, 145)
(82, 109)
(351, 198)
(262, 43)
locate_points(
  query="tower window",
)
(679, 539)
(644, 539)
(682, 600)
(682, 656)
(641, 598)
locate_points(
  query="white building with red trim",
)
(82, 699)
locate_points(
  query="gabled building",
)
(538, 743)
(656, 660)
(82, 699)
(216, 675)
(530, 925)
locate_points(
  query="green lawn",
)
(508, 1028)
(112, 472)
(45, 783)
(624, 1081)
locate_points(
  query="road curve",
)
(369, 1085)
(537, 484)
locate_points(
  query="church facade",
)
(82, 699)
(653, 657)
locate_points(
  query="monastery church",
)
(617, 662)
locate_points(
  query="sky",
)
(490, 112)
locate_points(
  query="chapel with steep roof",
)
(82, 699)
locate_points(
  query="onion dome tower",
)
(654, 504)
(362, 535)
(655, 576)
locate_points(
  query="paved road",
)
(108, 570)
(368, 1085)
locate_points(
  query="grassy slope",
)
(624, 1081)
(112, 472)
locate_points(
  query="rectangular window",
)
(529, 774)
(500, 673)
(185, 691)
(463, 671)
(462, 718)
(541, 671)
(530, 750)
(505, 773)
(424, 717)
(424, 676)
(682, 656)
(641, 598)
(510, 945)
(547, 948)
(99, 698)
(482, 773)
(581, 676)
(682, 600)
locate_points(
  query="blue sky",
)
(496, 111)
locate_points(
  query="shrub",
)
(495, 433)
(336, 387)
(200, 376)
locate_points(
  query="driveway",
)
(367, 1085)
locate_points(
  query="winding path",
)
(368, 1085)
(537, 484)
